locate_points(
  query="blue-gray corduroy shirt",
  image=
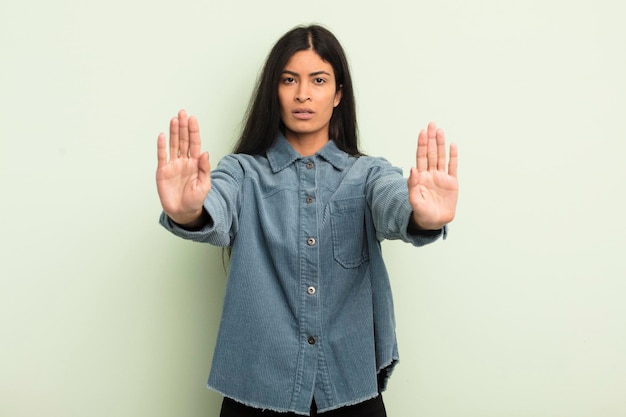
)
(308, 309)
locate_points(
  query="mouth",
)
(303, 114)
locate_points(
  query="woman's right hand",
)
(184, 181)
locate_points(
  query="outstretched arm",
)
(433, 185)
(183, 181)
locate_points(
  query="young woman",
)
(308, 324)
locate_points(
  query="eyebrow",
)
(312, 74)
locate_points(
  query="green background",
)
(520, 312)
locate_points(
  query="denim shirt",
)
(308, 310)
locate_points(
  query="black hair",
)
(263, 123)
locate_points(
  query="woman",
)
(307, 324)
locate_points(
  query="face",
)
(307, 96)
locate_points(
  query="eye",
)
(319, 81)
(288, 80)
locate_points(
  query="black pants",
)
(369, 408)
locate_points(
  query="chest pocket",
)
(347, 219)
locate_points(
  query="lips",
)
(303, 113)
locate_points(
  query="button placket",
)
(310, 326)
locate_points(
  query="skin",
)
(183, 181)
(433, 185)
(307, 96)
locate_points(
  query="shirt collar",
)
(281, 154)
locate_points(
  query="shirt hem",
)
(348, 404)
(288, 410)
(387, 368)
(258, 406)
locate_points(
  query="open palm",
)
(183, 181)
(433, 185)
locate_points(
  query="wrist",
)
(193, 221)
(416, 227)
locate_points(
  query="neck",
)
(307, 145)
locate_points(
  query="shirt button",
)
(310, 241)
(311, 340)
(309, 200)
(309, 165)
(311, 290)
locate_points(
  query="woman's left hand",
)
(433, 184)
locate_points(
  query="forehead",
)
(307, 62)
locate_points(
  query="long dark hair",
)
(263, 123)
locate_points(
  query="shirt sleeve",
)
(221, 204)
(388, 198)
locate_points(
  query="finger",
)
(161, 151)
(183, 134)
(441, 150)
(173, 138)
(432, 146)
(454, 160)
(412, 180)
(421, 160)
(204, 167)
(194, 137)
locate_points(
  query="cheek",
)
(332, 103)
(282, 104)
(284, 95)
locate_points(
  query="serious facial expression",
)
(307, 96)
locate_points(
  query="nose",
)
(302, 94)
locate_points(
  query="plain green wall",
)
(520, 312)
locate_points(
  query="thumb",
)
(412, 181)
(204, 167)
